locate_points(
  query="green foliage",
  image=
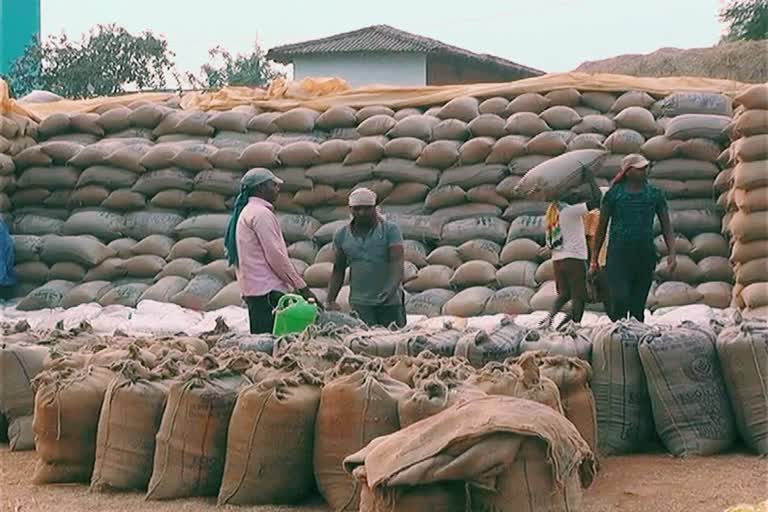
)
(747, 20)
(107, 61)
(251, 69)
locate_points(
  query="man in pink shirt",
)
(255, 246)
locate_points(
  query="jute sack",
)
(191, 442)
(481, 347)
(748, 227)
(750, 149)
(469, 302)
(510, 300)
(428, 303)
(676, 293)
(689, 126)
(270, 442)
(751, 122)
(67, 407)
(742, 351)
(449, 129)
(750, 175)
(19, 364)
(430, 397)
(681, 368)
(444, 497)
(354, 409)
(569, 342)
(715, 294)
(572, 376)
(559, 174)
(754, 97)
(624, 416)
(519, 452)
(130, 418)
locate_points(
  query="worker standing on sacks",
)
(256, 247)
(630, 206)
(372, 247)
(567, 241)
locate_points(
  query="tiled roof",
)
(383, 38)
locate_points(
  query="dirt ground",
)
(639, 483)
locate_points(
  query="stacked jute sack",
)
(170, 416)
(744, 188)
(154, 185)
(17, 133)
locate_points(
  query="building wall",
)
(365, 68)
(448, 71)
(19, 25)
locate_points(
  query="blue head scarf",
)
(248, 183)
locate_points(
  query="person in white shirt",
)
(567, 241)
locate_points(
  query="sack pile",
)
(175, 418)
(131, 203)
(745, 194)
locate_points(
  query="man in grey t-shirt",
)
(373, 249)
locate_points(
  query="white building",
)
(381, 54)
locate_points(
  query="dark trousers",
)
(383, 316)
(261, 312)
(630, 275)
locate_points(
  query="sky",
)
(551, 35)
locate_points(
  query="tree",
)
(747, 20)
(251, 69)
(107, 61)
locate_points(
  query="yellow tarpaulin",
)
(323, 93)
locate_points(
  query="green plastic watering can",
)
(293, 314)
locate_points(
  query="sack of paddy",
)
(429, 302)
(690, 126)
(208, 226)
(716, 294)
(572, 376)
(681, 368)
(192, 439)
(399, 170)
(510, 300)
(86, 293)
(569, 341)
(469, 302)
(624, 415)
(468, 176)
(49, 295)
(273, 409)
(417, 126)
(430, 277)
(430, 397)
(84, 250)
(553, 177)
(141, 224)
(199, 291)
(440, 342)
(354, 409)
(19, 364)
(473, 273)
(66, 417)
(518, 273)
(681, 103)
(464, 108)
(488, 228)
(130, 418)
(230, 295)
(481, 347)
(675, 293)
(741, 350)
(144, 266)
(510, 446)
(126, 294)
(102, 224)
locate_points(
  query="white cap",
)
(362, 197)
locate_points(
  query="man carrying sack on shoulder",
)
(566, 239)
(372, 247)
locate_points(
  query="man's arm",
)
(395, 270)
(602, 229)
(337, 277)
(662, 210)
(268, 233)
(595, 196)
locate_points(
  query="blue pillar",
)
(19, 26)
